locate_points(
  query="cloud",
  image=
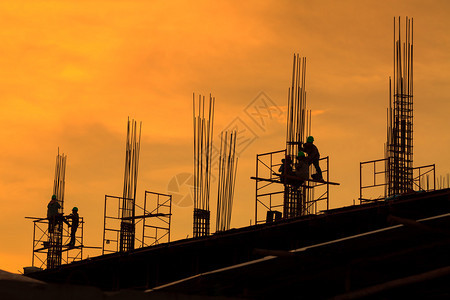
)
(72, 74)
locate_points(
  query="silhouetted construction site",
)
(392, 244)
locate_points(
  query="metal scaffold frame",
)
(271, 191)
(42, 244)
(159, 219)
(423, 179)
(269, 194)
(111, 224)
(156, 219)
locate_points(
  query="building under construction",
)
(391, 245)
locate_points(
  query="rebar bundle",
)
(227, 179)
(203, 141)
(127, 226)
(298, 128)
(55, 232)
(399, 147)
(59, 182)
(298, 118)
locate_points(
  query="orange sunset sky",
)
(73, 71)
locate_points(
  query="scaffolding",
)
(159, 220)
(48, 252)
(374, 187)
(271, 192)
(155, 217)
(50, 237)
(294, 197)
(112, 220)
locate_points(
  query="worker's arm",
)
(65, 219)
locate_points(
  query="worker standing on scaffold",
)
(286, 169)
(73, 226)
(53, 215)
(313, 157)
(301, 169)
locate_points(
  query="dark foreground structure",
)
(395, 248)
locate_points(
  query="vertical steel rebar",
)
(399, 144)
(203, 145)
(132, 149)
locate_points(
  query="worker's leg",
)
(58, 221)
(318, 170)
(72, 237)
(52, 223)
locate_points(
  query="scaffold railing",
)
(151, 222)
(274, 195)
(159, 208)
(373, 180)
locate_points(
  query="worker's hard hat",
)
(75, 208)
(301, 154)
(310, 139)
(53, 197)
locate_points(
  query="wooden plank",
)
(312, 180)
(294, 178)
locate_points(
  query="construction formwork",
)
(50, 241)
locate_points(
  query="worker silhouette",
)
(286, 168)
(53, 215)
(75, 220)
(313, 157)
(301, 168)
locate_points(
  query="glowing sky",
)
(73, 71)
